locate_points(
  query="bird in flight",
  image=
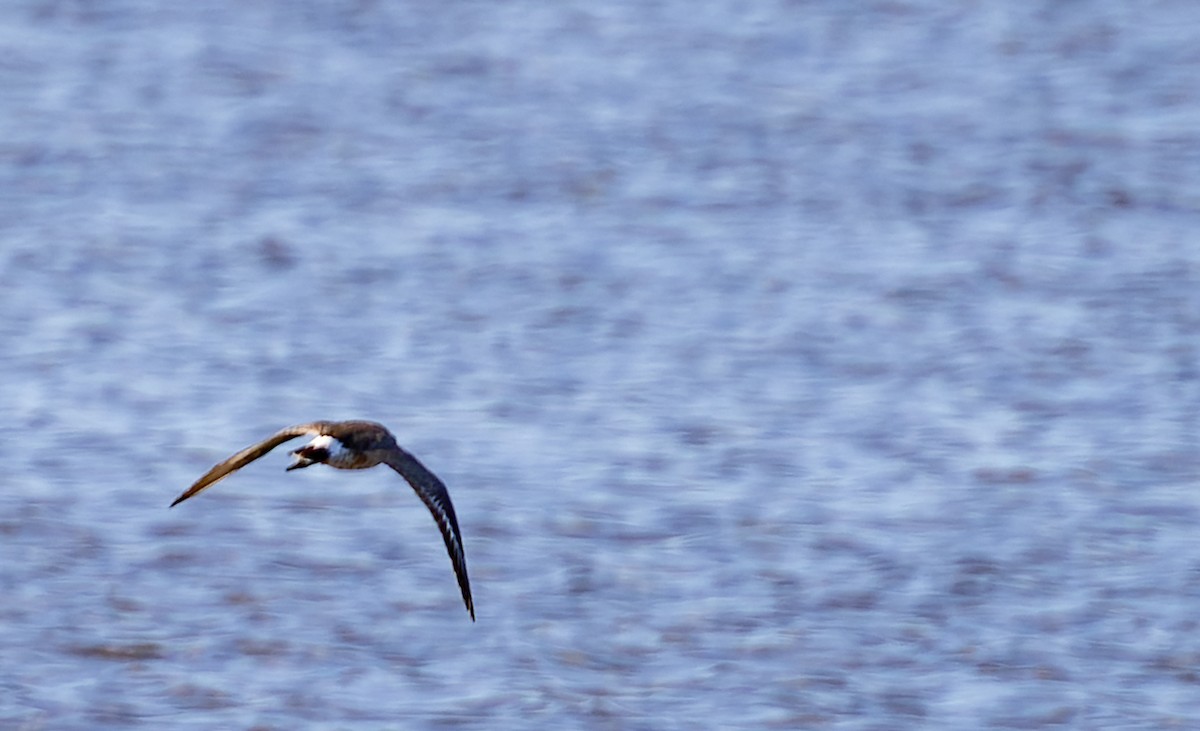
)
(357, 445)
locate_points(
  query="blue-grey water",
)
(792, 365)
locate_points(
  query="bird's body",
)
(357, 445)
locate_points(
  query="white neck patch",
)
(329, 444)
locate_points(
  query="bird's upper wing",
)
(248, 455)
(433, 493)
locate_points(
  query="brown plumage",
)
(356, 445)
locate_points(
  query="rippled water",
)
(791, 365)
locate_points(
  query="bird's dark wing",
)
(248, 455)
(433, 493)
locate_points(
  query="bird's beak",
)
(308, 454)
(300, 461)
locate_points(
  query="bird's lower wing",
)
(246, 456)
(433, 493)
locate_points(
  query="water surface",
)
(800, 365)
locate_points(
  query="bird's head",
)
(315, 452)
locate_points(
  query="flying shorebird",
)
(357, 445)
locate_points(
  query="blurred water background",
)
(792, 365)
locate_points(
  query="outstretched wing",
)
(433, 493)
(248, 455)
